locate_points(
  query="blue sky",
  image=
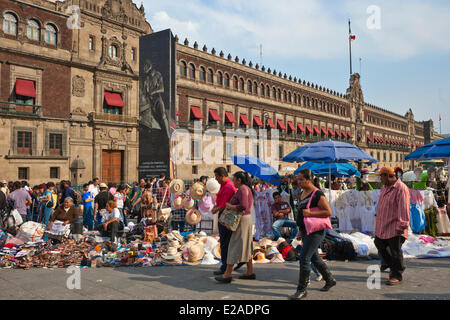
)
(405, 63)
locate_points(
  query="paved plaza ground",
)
(424, 279)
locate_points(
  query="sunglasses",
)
(388, 175)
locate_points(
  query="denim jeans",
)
(178, 225)
(47, 213)
(88, 218)
(284, 223)
(310, 252)
(314, 269)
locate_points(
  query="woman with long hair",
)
(312, 241)
(240, 248)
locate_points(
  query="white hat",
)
(209, 259)
(172, 253)
(103, 185)
(212, 186)
(177, 203)
(277, 258)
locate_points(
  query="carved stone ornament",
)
(78, 112)
(78, 86)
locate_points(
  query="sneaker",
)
(318, 277)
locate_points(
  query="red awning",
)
(309, 129)
(300, 127)
(281, 125)
(196, 112)
(113, 99)
(369, 139)
(316, 130)
(213, 115)
(349, 135)
(270, 123)
(324, 131)
(344, 135)
(291, 126)
(257, 120)
(230, 117)
(338, 133)
(331, 132)
(25, 88)
(244, 120)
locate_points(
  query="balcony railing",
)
(99, 116)
(387, 147)
(13, 108)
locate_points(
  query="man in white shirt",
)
(111, 221)
(94, 188)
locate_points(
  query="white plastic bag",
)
(17, 217)
(31, 231)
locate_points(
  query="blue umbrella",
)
(328, 151)
(337, 169)
(434, 150)
(258, 168)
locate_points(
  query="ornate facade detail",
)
(78, 112)
(78, 84)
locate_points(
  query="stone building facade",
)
(79, 118)
(217, 91)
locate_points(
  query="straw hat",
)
(193, 217)
(177, 203)
(198, 190)
(174, 244)
(216, 252)
(260, 258)
(175, 235)
(164, 214)
(265, 242)
(187, 203)
(212, 186)
(171, 254)
(277, 258)
(176, 186)
(194, 254)
(271, 251)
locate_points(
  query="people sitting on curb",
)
(280, 211)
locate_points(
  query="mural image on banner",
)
(156, 102)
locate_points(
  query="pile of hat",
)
(268, 251)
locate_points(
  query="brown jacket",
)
(62, 215)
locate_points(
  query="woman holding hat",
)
(240, 247)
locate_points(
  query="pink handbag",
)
(314, 224)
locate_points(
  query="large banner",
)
(157, 91)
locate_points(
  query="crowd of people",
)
(264, 210)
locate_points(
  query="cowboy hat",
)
(277, 258)
(188, 203)
(174, 244)
(271, 251)
(177, 203)
(193, 217)
(260, 258)
(197, 190)
(171, 254)
(212, 186)
(194, 254)
(176, 186)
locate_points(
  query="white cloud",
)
(311, 29)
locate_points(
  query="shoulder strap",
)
(310, 199)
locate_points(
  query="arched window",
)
(235, 82)
(279, 94)
(268, 91)
(220, 79)
(295, 98)
(202, 74)
(50, 34)
(113, 51)
(262, 91)
(33, 30)
(191, 71)
(10, 24)
(274, 95)
(284, 96)
(255, 88)
(241, 84)
(183, 69)
(210, 76)
(249, 86)
(227, 80)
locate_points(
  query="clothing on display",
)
(263, 213)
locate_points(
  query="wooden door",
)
(112, 168)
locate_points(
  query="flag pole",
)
(350, 45)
